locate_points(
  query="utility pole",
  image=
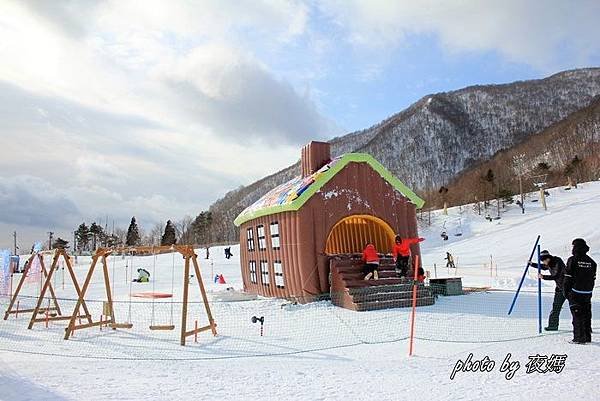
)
(50, 234)
(518, 163)
(15, 243)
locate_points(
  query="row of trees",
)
(89, 238)
(502, 182)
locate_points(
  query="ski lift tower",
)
(540, 182)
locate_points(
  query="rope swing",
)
(155, 295)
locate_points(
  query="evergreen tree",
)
(82, 236)
(97, 234)
(169, 237)
(133, 233)
(60, 243)
(201, 228)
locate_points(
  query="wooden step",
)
(358, 275)
(398, 303)
(388, 295)
(381, 288)
(371, 283)
(381, 296)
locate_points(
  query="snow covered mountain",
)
(569, 148)
(429, 143)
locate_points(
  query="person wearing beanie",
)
(580, 275)
(556, 267)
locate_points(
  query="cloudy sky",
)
(157, 108)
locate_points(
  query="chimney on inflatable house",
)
(314, 156)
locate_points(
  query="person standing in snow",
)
(401, 253)
(556, 267)
(371, 259)
(580, 275)
(228, 253)
(450, 261)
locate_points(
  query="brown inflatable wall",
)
(356, 190)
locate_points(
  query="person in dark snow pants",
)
(401, 253)
(556, 267)
(580, 275)
(371, 259)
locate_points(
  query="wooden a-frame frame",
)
(48, 286)
(54, 309)
(101, 254)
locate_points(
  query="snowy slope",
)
(319, 351)
(571, 214)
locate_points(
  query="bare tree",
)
(183, 229)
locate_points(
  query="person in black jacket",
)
(580, 275)
(556, 267)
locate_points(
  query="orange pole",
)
(414, 307)
(17, 312)
(196, 331)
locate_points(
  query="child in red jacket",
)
(401, 253)
(371, 259)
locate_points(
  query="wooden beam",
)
(198, 330)
(70, 328)
(108, 291)
(76, 285)
(211, 321)
(88, 278)
(47, 283)
(43, 319)
(186, 282)
(16, 293)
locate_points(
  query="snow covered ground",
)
(317, 351)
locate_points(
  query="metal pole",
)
(539, 266)
(512, 305)
(15, 243)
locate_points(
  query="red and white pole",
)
(414, 307)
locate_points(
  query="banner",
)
(5, 272)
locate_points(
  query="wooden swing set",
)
(102, 254)
(52, 313)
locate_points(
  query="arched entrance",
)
(352, 233)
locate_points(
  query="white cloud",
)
(147, 108)
(527, 31)
(34, 202)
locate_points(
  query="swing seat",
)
(162, 327)
(120, 325)
(149, 294)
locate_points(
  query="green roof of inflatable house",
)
(291, 195)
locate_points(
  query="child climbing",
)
(371, 259)
(401, 253)
(143, 276)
